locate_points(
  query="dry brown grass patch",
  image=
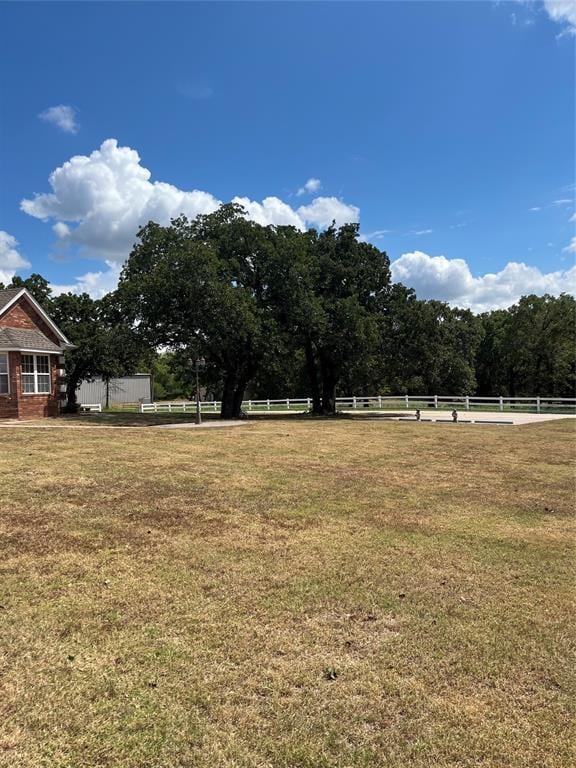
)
(288, 594)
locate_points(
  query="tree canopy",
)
(278, 312)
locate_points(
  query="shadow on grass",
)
(131, 419)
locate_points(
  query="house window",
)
(35, 374)
(4, 378)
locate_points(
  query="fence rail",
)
(380, 402)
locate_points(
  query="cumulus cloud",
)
(97, 284)
(62, 116)
(571, 247)
(450, 280)
(99, 202)
(10, 258)
(311, 186)
(271, 210)
(324, 210)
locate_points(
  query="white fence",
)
(380, 402)
(91, 407)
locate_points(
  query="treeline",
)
(276, 312)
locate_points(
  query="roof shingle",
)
(24, 339)
(7, 295)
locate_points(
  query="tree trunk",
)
(227, 408)
(232, 396)
(71, 390)
(328, 388)
(313, 376)
(328, 397)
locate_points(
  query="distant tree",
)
(428, 346)
(492, 372)
(166, 381)
(529, 349)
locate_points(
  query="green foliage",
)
(200, 289)
(529, 349)
(428, 346)
(104, 346)
(328, 289)
(173, 377)
(36, 285)
(278, 312)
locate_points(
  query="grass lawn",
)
(291, 594)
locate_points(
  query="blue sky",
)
(447, 128)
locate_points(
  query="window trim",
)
(7, 374)
(35, 374)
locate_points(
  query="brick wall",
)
(23, 315)
(18, 405)
(9, 403)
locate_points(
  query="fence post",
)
(379, 401)
(538, 404)
(268, 404)
(435, 401)
(354, 401)
(406, 401)
(169, 407)
(501, 403)
(184, 407)
(308, 403)
(249, 405)
(288, 403)
(215, 405)
(467, 403)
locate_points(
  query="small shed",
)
(123, 390)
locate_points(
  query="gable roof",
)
(10, 296)
(7, 295)
(26, 340)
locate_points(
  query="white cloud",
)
(97, 284)
(311, 186)
(378, 234)
(450, 280)
(10, 258)
(562, 11)
(324, 210)
(62, 117)
(571, 247)
(99, 202)
(271, 210)
(535, 208)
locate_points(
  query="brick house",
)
(31, 358)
